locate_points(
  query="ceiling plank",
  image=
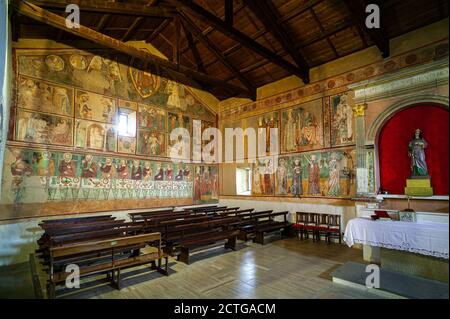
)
(322, 30)
(358, 11)
(220, 25)
(298, 10)
(108, 7)
(163, 67)
(216, 51)
(267, 13)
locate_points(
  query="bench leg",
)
(51, 290)
(242, 236)
(184, 255)
(164, 271)
(119, 286)
(231, 243)
(259, 237)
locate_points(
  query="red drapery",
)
(393, 147)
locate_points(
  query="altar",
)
(418, 248)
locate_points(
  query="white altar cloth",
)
(424, 238)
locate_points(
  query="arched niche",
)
(390, 133)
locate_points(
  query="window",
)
(127, 123)
(244, 181)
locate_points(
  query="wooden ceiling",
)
(231, 47)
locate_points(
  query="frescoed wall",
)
(87, 126)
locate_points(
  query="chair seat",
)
(333, 230)
(322, 228)
(310, 227)
(298, 226)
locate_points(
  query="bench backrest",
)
(101, 245)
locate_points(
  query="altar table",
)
(425, 238)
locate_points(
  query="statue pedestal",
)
(418, 187)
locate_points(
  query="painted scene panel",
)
(206, 184)
(94, 135)
(326, 173)
(92, 106)
(38, 95)
(43, 128)
(263, 176)
(264, 126)
(302, 127)
(342, 120)
(151, 143)
(152, 118)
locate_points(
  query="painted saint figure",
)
(89, 168)
(416, 151)
(289, 132)
(67, 166)
(297, 188)
(314, 176)
(282, 177)
(333, 181)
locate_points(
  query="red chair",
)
(300, 223)
(311, 225)
(322, 226)
(334, 228)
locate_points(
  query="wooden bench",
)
(108, 256)
(248, 221)
(270, 225)
(180, 239)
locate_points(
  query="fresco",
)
(37, 95)
(126, 144)
(113, 75)
(342, 120)
(263, 177)
(43, 128)
(324, 173)
(151, 143)
(302, 127)
(152, 118)
(74, 176)
(94, 135)
(206, 184)
(262, 125)
(92, 106)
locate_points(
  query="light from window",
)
(243, 181)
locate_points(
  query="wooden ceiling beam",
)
(130, 32)
(220, 25)
(216, 51)
(157, 31)
(322, 30)
(267, 14)
(358, 11)
(103, 6)
(192, 46)
(229, 14)
(162, 67)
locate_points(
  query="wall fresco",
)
(206, 184)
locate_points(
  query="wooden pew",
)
(270, 225)
(196, 208)
(140, 215)
(116, 254)
(53, 222)
(180, 239)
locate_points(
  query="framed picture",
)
(407, 216)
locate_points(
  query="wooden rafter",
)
(162, 67)
(316, 18)
(358, 11)
(216, 51)
(157, 31)
(298, 10)
(192, 46)
(103, 6)
(135, 25)
(176, 45)
(246, 41)
(267, 13)
(229, 14)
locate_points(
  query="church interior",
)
(224, 149)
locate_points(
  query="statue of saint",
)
(416, 151)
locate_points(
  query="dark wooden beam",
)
(101, 24)
(229, 14)
(108, 7)
(220, 25)
(322, 30)
(216, 51)
(176, 45)
(162, 67)
(157, 31)
(267, 13)
(136, 23)
(192, 46)
(357, 9)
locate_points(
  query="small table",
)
(416, 248)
